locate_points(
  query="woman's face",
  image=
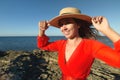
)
(69, 28)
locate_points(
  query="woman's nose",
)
(63, 27)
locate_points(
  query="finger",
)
(100, 18)
(39, 24)
(42, 24)
(94, 19)
(48, 23)
(45, 24)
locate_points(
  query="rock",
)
(42, 65)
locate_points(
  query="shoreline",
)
(42, 65)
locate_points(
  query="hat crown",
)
(69, 10)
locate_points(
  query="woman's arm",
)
(102, 25)
(107, 54)
(43, 26)
(44, 44)
(43, 40)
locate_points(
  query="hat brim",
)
(54, 21)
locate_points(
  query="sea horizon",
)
(29, 43)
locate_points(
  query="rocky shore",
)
(42, 65)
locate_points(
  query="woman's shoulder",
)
(92, 42)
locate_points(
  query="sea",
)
(29, 43)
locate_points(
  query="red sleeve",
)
(42, 43)
(117, 46)
(107, 54)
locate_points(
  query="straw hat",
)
(69, 12)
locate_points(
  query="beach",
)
(42, 65)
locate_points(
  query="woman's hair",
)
(85, 30)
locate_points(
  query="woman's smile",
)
(66, 32)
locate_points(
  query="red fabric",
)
(69, 78)
(79, 64)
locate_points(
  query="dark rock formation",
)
(42, 65)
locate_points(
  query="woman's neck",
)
(74, 40)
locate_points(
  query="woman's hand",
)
(43, 26)
(100, 23)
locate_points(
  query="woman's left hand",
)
(100, 23)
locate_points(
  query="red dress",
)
(79, 64)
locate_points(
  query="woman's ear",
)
(78, 25)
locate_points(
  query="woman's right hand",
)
(43, 26)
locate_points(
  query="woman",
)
(77, 53)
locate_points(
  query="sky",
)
(21, 17)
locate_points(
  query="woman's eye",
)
(60, 24)
(67, 23)
(64, 23)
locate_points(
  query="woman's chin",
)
(69, 37)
